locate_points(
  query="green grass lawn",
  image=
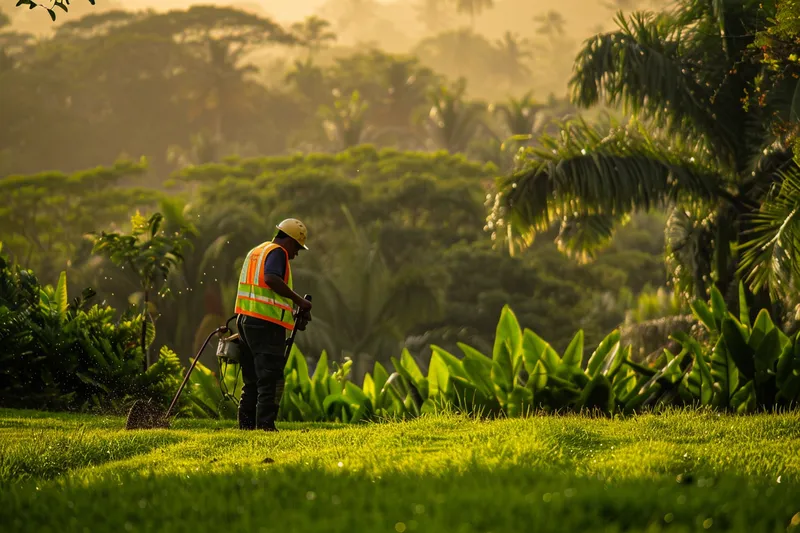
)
(671, 472)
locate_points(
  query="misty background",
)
(207, 95)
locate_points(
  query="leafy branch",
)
(150, 253)
(63, 4)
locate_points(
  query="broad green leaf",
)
(468, 397)
(738, 349)
(322, 370)
(537, 349)
(479, 369)
(438, 377)
(724, 372)
(744, 311)
(761, 327)
(766, 355)
(356, 395)
(519, 402)
(537, 379)
(625, 385)
(62, 302)
(418, 391)
(718, 307)
(411, 367)
(597, 395)
(744, 401)
(453, 363)
(789, 360)
(368, 386)
(573, 355)
(502, 380)
(380, 376)
(508, 342)
(299, 363)
(699, 381)
(609, 345)
(305, 410)
(704, 315)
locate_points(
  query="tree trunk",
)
(145, 315)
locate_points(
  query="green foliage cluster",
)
(738, 367)
(197, 82)
(399, 254)
(64, 355)
(701, 144)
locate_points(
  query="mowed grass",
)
(677, 471)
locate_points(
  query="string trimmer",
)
(147, 415)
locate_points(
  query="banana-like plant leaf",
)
(744, 401)
(597, 395)
(761, 327)
(738, 349)
(573, 356)
(744, 310)
(609, 345)
(507, 351)
(724, 372)
(699, 381)
(704, 315)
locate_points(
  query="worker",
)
(264, 316)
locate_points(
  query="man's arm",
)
(277, 284)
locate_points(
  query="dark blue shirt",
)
(275, 263)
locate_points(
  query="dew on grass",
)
(399, 527)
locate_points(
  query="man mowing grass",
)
(264, 308)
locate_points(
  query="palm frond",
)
(590, 172)
(650, 66)
(771, 254)
(581, 237)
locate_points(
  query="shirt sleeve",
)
(275, 263)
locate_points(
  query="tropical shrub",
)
(64, 355)
(734, 366)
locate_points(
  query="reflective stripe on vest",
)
(255, 298)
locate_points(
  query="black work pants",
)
(262, 350)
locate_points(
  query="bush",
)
(62, 355)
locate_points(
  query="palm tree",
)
(313, 33)
(345, 121)
(690, 147)
(473, 7)
(513, 53)
(550, 23)
(452, 121)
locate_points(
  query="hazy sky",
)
(580, 14)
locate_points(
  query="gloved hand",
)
(302, 318)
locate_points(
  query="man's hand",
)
(302, 318)
(304, 305)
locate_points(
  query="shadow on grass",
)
(276, 498)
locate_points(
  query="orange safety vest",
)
(255, 298)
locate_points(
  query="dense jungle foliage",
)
(423, 203)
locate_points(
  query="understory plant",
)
(734, 366)
(59, 354)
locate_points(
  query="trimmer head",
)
(146, 415)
